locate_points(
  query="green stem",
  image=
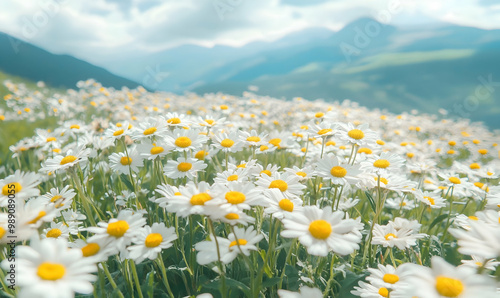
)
(136, 278)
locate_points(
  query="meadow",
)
(131, 193)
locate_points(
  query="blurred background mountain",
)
(425, 67)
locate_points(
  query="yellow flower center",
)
(232, 216)
(184, 166)
(54, 233)
(280, 184)
(431, 200)
(50, 271)
(365, 150)
(153, 240)
(324, 131)
(410, 154)
(320, 229)
(200, 155)
(389, 236)
(253, 139)
(68, 159)
(200, 199)
(232, 178)
(183, 142)
(75, 126)
(174, 120)
(338, 172)
(239, 242)
(126, 161)
(235, 197)
(11, 188)
(149, 131)
(118, 132)
(267, 172)
(356, 134)
(38, 217)
(472, 217)
(227, 143)
(474, 166)
(118, 228)
(381, 163)
(90, 249)
(2, 232)
(263, 148)
(380, 142)
(275, 142)
(383, 292)
(449, 287)
(301, 174)
(483, 151)
(319, 115)
(157, 150)
(51, 139)
(390, 278)
(454, 180)
(286, 205)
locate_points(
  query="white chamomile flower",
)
(444, 280)
(73, 157)
(322, 231)
(191, 200)
(339, 174)
(57, 230)
(151, 127)
(304, 292)
(120, 230)
(401, 233)
(20, 186)
(48, 269)
(151, 151)
(124, 162)
(96, 251)
(278, 205)
(235, 197)
(287, 183)
(385, 163)
(227, 142)
(252, 138)
(149, 242)
(360, 135)
(183, 167)
(117, 131)
(181, 140)
(241, 241)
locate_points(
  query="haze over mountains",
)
(380, 66)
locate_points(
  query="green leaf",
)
(126, 181)
(372, 202)
(271, 282)
(437, 220)
(348, 283)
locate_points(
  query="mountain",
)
(28, 61)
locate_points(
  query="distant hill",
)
(28, 61)
(399, 69)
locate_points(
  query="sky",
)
(99, 29)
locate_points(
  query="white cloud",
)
(103, 29)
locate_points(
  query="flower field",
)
(138, 194)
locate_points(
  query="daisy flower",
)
(252, 138)
(386, 276)
(167, 191)
(367, 290)
(183, 167)
(278, 205)
(323, 130)
(177, 120)
(191, 200)
(432, 200)
(481, 239)
(322, 231)
(151, 127)
(20, 186)
(79, 155)
(181, 140)
(96, 251)
(385, 163)
(478, 262)
(208, 252)
(120, 230)
(304, 173)
(232, 218)
(58, 230)
(123, 163)
(444, 280)
(150, 241)
(339, 174)
(117, 131)
(287, 183)
(235, 197)
(241, 241)
(151, 151)
(401, 233)
(47, 268)
(62, 199)
(359, 135)
(235, 175)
